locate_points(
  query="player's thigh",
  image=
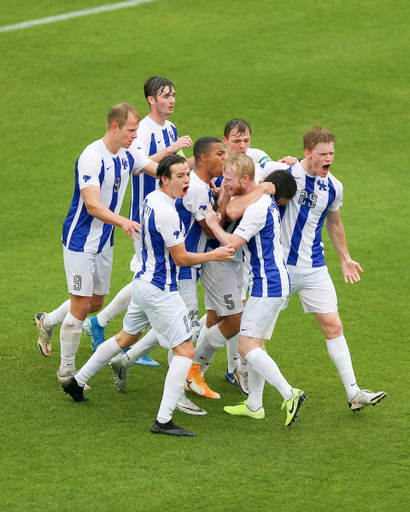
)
(260, 315)
(167, 314)
(189, 292)
(220, 282)
(87, 273)
(318, 293)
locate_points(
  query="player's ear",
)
(308, 154)
(151, 100)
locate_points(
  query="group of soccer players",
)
(248, 227)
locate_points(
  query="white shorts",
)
(260, 315)
(88, 273)
(164, 311)
(135, 264)
(189, 293)
(222, 283)
(315, 288)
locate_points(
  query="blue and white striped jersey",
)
(151, 138)
(303, 217)
(96, 166)
(190, 209)
(161, 228)
(260, 227)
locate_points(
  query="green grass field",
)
(283, 66)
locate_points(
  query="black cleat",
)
(72, 388)
(170, 429)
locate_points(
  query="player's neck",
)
(110, 143)
(157, 117)
(307, 167)
(249, 187)
(202, 173)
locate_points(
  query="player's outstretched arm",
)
(350, 268)
(181, 143)
(183, 258)
(236, 207)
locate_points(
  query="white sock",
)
(202, 321)
(243, 365)
(70, 335)
(208, 344)
(268, 369)
(340, 355)
(57, 316)
(100, 358)
(173, 387)
(118, 305)
(256, 385)
(232, 353)
(143, 346)
(205, 363)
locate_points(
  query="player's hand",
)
(268, 188)
(288, 160)
(225, 253)
(214, 188)
(181, 143)
(351, 271)
(132, 228)
(212, 217)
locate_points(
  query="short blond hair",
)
(241, 165)
(120, 113)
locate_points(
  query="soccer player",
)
(259, 233)
(237, 139)
(209, 154)
(155, 298)
(157, 137)
(319, 196)
(101, 176)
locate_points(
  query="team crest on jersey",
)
(176, 234)
(86, 178)
(322, 185)
(125, 163)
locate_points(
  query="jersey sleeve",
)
(140, 159)
(170, 226)
(338, 200)
(253, 220)
(263, 169)
(90, 164)
(196, 201)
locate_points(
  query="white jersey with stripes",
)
(303, 217)
(161, 228)
(260, 227)
(97, 167)
(151, 138)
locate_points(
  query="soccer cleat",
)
(120, 372)
(170, 429)
(292, 406)
(242, 381)
(365, 397)
(72, 388)
(94, 331)
(185, 405)
(146, 361)
(196, 382)
(231, 378)
(62, 377)
(242, 409)
(44, 336)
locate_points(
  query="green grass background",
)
(283, 66)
